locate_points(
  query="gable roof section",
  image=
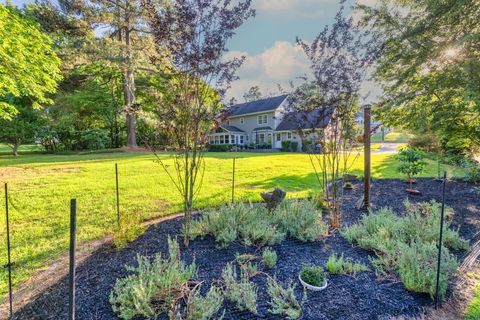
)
(318, 119)
(256, 106)
(231, 128)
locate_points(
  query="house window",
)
(246, 138)
(262, 119)
(216, 140)
(289, 135)
(261, 138)
(241, 139)
(279, 137)
(232, 139)
(242, 120)
(222, 141)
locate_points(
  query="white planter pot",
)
(313, 288)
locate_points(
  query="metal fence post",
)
(73, 231)
(366, 142)
(9, 263)
(440, 240)
(118, 194)
(233, 181)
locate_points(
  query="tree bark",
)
(15, 149)
(129, 90)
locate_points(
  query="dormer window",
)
(242, 120)
(262, 119)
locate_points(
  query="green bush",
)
(289, 146)
(130, 228)
(254, 225)
(218, 147)
(313, 275)
(93, 139)
(300, 220)
(404, 244)
(471, 169)
(269, 257)
(283, 301)
(411, 162)
(338, 265)
(426, 141)
(153, 287)
(240, 290)
(201, 307)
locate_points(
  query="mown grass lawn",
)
(41, 187)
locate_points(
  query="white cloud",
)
(278, 65)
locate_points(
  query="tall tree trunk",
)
(129, 90)
(15, 149)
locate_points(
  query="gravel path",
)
(363, 297)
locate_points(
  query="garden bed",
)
(361, 297)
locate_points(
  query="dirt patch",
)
(363, 297)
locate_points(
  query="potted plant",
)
(411, 164)
(348, 186)
(313, 277)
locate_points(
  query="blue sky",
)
(268, 41)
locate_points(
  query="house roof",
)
(256, 106)
(317, 119)
(231, 128)
(262, 128)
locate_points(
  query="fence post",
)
(366, 142)
(233, 181)
(9, 263)
(440, 240)
(118, 194)
(73, 231)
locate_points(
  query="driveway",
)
(388, 148)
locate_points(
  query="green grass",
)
(41, 187)
(23, 149)
(473, 309)
(393, 137)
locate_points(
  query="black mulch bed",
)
(363, 297)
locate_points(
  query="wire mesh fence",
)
(39, 199)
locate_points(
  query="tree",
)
(411, 163)
(340, 56)
(430, 67)
(192, 36)
(253, 94)
(30, 67)
(21, 128)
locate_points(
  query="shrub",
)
(201, 307)
(313, 275)
(218, 147)
(289, 146)
(339, 265)
(130, 228)
(412, 162)
(283, 301)
(427, 142)
(239, 290)
(300, 220)
(269, 257)
(471, 169)
(153, 287)
(405, 245)
(93, 139)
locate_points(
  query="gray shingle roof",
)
(318, 119)
(262, 128)
(256, 106)
(231, 128)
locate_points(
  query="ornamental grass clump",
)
(283, 301)
(200, 307)
(338, 265)
(407, 245)
(269, 258)
(153, 287)
(239, 289)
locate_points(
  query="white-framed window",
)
(289, 135)
(222, 139)
(242, 120)
(232, 139)
(241, 139)
(261, 138)
(262, 119)
(246, 138)
(279, 137)
(217, 141)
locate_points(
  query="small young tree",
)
(411, 163)
(340, 57)
(192, 35)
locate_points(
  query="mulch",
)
(362, 297)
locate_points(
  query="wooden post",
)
(233, 182)
(73, 232)
(118, 195)
(367, 163)
(9, 262)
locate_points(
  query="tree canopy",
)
(30, 68)
(430, 67)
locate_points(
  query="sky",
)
(268, 43)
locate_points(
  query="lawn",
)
(42, 185)
(392, 137)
